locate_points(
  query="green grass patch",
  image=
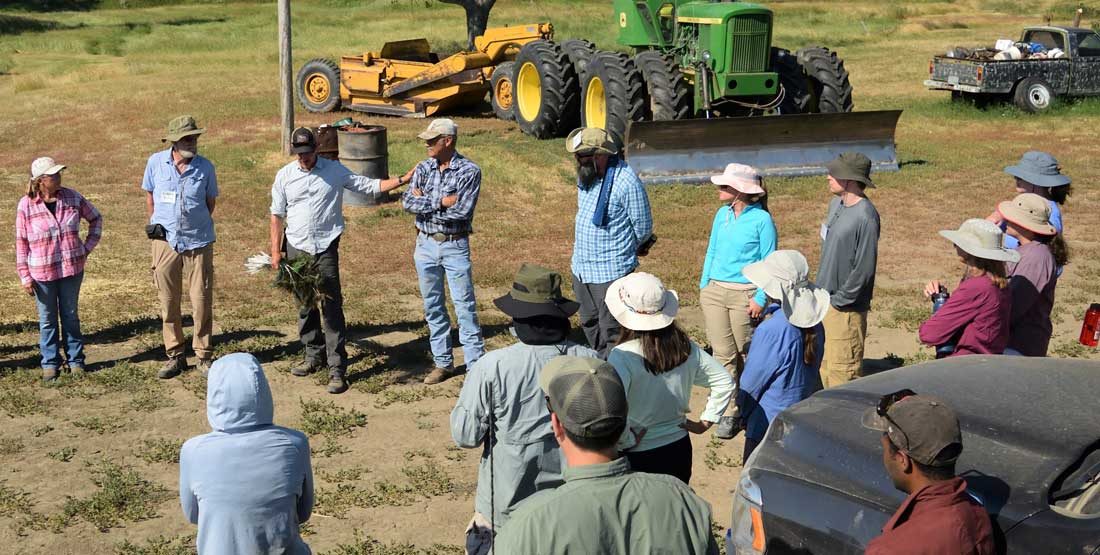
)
(330, 448)
(160, 450)
(159, 545)
(326, 419)
(407, 395)
(150, 400)
(21, 402)
(366, 545)
(41, 430)
(1072, 348)
(123, 496)
(65, 454)
(343, 475)
(10, 446)
(99, 424)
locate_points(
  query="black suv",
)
(1031, 456)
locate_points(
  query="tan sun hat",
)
(438, 127)
(45, 166)
(742, 178)
(783, 275)
(981, 238)
(181, 127)
(586, 139)
(640, 302)
(1029, 211)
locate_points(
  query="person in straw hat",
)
(742, 233)
(180, 193)
(1038, 172)
(976, 315)
(1032, 280)
(50, 257)
(502, 392)
(785, 358)
(658, 364)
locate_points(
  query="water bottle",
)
(939, 299)
(1090, 328)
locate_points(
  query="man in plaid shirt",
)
(612, 228)
(443, 193)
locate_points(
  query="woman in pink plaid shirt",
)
(49, 257)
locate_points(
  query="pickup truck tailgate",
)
(955, 72)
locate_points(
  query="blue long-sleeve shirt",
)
(776, 375)
(461, 177)
(602, 254)
(736, 241)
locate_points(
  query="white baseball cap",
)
(441, 126)
(45, 166)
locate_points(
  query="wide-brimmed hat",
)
(640, 302)
(590, 139)
(981, 238)
(303, 140)
(784, 275)
(44, 166)
(743, 178)
(181, 127)
(1039, 169)
(439, 127)
(851, 166)
(536, 291)
(1029, 211)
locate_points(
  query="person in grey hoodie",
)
(248, 484)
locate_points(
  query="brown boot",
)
(439, 375)
(174, 367)
(337, 383)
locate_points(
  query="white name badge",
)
(824, 231)
(167, 197)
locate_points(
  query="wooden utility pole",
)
(286, 78)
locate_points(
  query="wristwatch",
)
(399, 180)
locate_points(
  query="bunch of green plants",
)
(301, 277)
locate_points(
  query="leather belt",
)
(444, 237)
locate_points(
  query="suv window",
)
(1089, 45)
(1049, 39)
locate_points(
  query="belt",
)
(444, 237)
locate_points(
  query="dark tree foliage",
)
(477, 17)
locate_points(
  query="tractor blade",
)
(692, 150)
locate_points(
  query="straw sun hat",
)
(783, 275)
(640, 302)
(981, 238)
(1029, 211)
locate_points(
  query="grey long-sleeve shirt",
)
(849, 254)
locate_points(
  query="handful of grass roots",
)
(302, 278)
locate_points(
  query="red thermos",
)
(1090, 329)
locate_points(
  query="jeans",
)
(323, 332)
(452, 259)
(600, 327)
(59, 298)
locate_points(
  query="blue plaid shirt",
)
(461, 177)
(606, 253)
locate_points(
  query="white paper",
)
(1003, 44)
(824, 231)
(167, 197)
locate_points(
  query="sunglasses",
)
(548, 407)
(883, 410)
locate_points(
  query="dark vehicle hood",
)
(1024, 422)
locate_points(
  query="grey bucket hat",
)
(1039, 169)
(982, 239)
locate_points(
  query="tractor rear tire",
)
(827, 78)
(613, 95)
(796, 90)
(545, 89)
(667, 92)
(580, 52)
(502, 91)
(318, 85)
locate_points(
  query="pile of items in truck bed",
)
(1006, 49)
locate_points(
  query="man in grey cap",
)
(849, 257)
(443, 194)
(307, 196)
(603, 507)
(180, 193)
(613, 227)
(921, 442)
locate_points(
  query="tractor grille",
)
(749, 43)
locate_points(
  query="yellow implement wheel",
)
(317, 88)
(528, 91)
(595, 104)
(504, 93)
(503, 90)
(318, 85)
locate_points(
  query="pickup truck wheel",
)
(1033, 95)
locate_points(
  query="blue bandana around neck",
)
(599, 217)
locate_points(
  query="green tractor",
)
(705, 62)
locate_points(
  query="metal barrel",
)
(690, 151)
(364, 151)
(327, 142)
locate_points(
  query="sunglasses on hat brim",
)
(883, 409)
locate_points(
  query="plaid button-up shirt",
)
(461, 177)
(48, 247)
(603, 254)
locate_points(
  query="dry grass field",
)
(89, 465)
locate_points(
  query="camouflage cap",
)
(590, 139)
(181, 127)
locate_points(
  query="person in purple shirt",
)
(975, 317)
(1032, 279)
(1037, 172)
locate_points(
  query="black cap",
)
(923, 427)
(302, 140)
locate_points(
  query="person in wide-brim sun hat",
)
(1039, 173)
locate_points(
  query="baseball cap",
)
(590, 139)
(922, 426)
(441, 126)
(586, 394)
(44, 166)
(302, 140)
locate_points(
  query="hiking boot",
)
(305, 368)
(50, 374)
(337, 383)
(174, 367)
(76, 370)
(728, 426)
(439, 375)
(203, 365)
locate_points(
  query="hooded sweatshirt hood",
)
(237, 395)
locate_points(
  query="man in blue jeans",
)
(443, 193)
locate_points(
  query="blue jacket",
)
(248, 484)
(736, 242)
(776, 375)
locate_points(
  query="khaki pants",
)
(170, 270)
(729, 328)
(845, 333)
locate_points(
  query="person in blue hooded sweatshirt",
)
(248, 484)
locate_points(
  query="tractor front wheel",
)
(613, 95)
(318, 85)
(502, 92)
(828, 80)
(544, 90)
(665, 86)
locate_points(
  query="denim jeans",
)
(59, 298)
(434, 260)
